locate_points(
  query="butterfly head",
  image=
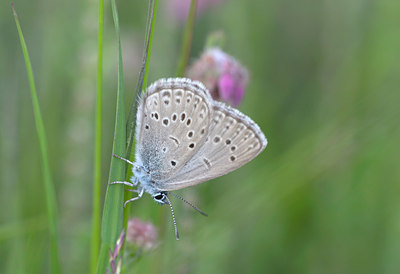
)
(160, 197)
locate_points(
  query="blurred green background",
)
(324, 87)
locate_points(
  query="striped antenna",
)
(192, 205)
(173, 217)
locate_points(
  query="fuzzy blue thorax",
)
(146, 184)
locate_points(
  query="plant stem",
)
(113, 206)
(187, 40)
(95, 241)
(142, 80)
(47, 180)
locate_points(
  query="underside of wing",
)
(172, 124)
(233, 140)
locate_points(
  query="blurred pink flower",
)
(142, 234)
(223, 76)
(179, 9)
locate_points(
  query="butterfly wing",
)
(173, 120)
(233, 140)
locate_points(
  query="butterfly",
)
(184, 138)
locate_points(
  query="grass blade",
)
(187, 39)
(48, 182)
(131, 123)
(142, 80)
(113, 206)
(95, 240)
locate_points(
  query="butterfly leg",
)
(126, 160)
(123, 183)
(133, 190)
(135, 198)
(134, 180)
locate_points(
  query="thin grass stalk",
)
(151, 32)
(131, 123)
(95, 240)
(47, 178)
(142, 80)
(187, 40)
(113, 210)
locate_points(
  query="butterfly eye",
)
(159, 197)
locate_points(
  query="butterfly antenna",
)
(192, 205)
(173, 217)
(123, 159)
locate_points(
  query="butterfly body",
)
(142, 177)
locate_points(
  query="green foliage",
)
(111, 225)
(47, 178)
(96, 219)
(322, 197)
(187, 39)
(143, 75)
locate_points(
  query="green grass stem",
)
(47, 179)
(142, 81)
(95, 240)
(113, 206)
(131, 123)
(150, 39)
(187, 40)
